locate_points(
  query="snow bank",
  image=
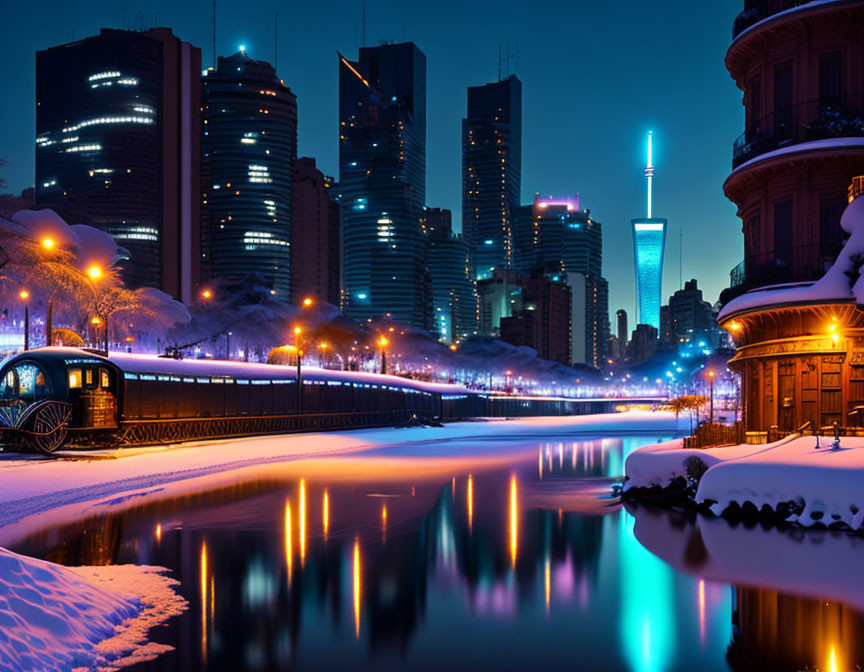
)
(816, 487)
(54, 618)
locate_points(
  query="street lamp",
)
(48, 243)
(95, 273)
(383, 342)
(206, 294)
(297, 332)
(711, 376)
(25, 296)
(322, 348)
(307, 302)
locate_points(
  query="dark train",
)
(53, 397)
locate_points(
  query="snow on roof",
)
(210, 367)
(833, 287)
(800, 148)
(792, 10)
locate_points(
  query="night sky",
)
(596, 77)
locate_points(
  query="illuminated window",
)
(74, 378)
(105, 379)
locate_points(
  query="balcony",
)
(762, 10)
(841, 117)
(803, 263)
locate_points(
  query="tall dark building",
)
(382, 183)
(248, 148)
(491, 172)
(557, 237)
(687, 318)
(315, 235)
(622, 333)
(117, 147)
(454, 292)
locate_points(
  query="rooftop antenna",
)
(214, 34)
(276, 42)
(649, 173)
(363, 25)
(499, 61)
(681, 257)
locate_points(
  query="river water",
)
(497, 555)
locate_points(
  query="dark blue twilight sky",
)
(596, 76)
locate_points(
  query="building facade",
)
(316, 235)
(491, 172)
(798, 66)
(543, 321)
(117, 147)
(248, 148)
(382, 184)
(454, 292)
(689, 320)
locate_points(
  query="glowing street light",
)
(207, 294)
(94, 272)
(24, 295)
(383, 343)
(48, 243)
(307, 302)
(711, 376)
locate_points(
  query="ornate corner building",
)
(800, 66)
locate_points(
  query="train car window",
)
(26, 382)
(88, 377)
(74, 378)
(104, 379)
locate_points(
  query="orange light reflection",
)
(289, 550)
(204, 584)
(302, 521)
(356, 576)
(325, 516)
(514, 520)
(470, 504)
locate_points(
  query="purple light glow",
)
(571, 202)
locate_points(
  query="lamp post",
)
(25, 296)
(48, 244)
(297, 331)
(322, 353)
(95, 273)
(383, 343)
(711, 376)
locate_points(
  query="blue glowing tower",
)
(649, 241)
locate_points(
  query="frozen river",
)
(496, 554)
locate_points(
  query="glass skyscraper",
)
(491, 172)
(454, 292)
(117, 147)
(382, 184)
(649, 241)
(248, 148)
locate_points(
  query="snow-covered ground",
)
(824, 485)
(55, 618)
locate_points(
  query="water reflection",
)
(512, 563)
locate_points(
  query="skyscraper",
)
(382, 183)
(491, 172)
(248, 148)
(555, 236)
(316, 229)
(117, 147)
(649, 242)
(454, 292)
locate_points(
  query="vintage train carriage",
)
(52, 397)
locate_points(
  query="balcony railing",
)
(841, 117)
(761, 10)
(791, 264)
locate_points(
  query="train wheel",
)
(46, 428)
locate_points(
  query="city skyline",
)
(556, 137)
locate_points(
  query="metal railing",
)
(789, 264)
(712, 435)
(840, 117)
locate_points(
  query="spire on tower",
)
(649, 173)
